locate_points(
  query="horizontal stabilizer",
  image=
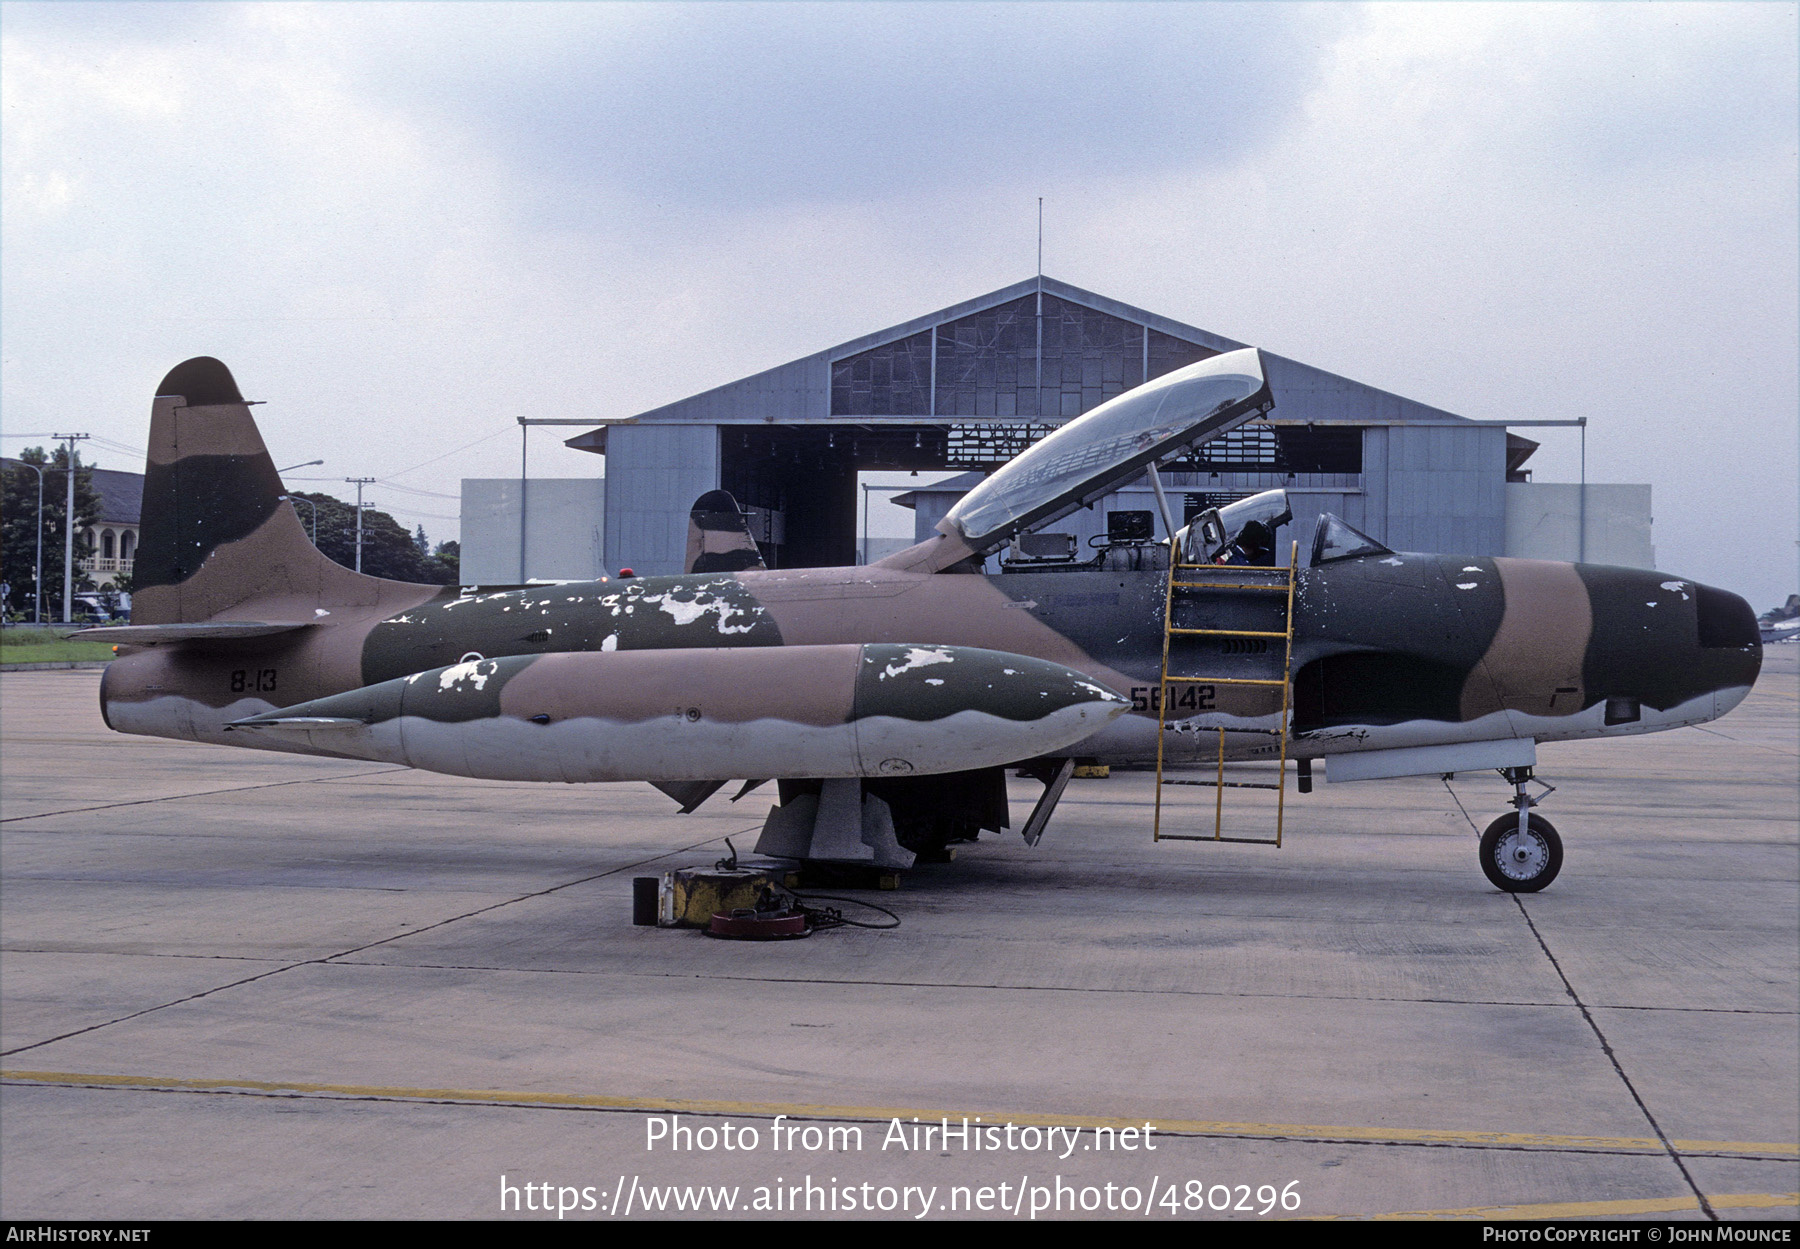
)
(157, 634)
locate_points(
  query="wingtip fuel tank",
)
(878, 709)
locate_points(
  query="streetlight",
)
(294, 498)
(290, 468)
(37, 585)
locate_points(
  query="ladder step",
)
(1229, 633)
(1267, 578)
(1243, 841)
(1223, 681)
(1271, 570)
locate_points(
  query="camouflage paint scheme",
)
(1391, 650)
(793, 712)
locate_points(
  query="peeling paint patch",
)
(688, 611)
(917, 657)
(476, 674)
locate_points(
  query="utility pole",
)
(359, 483)
(69, 531)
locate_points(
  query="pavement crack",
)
(1040, 988)
(1674, 1155)
(192, 997)
(369, 945)
(205, 793)
(1740, 741)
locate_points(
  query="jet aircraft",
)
(887, 701)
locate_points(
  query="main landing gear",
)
(1521, 853)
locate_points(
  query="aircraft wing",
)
(157, 634)
(1094, 454)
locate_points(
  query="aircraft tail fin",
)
(719, 536)
(216, 534)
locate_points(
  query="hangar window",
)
(987, 362)
(1168, 353)
(989, 444)
(1260, 448)
(891, 380)
(1089, 356)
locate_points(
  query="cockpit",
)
(1244, 532)
(1334, 540)
(1238, 533)
(1128, 435)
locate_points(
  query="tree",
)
(18, 526)
(449, 554)
(388, 550)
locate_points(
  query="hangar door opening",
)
(799, 482)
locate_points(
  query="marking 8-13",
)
(253, 680)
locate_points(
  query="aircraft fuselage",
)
(1389, 651)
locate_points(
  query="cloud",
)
(1585, 89)
(733, 107)
(405, 224)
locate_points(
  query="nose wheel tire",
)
(1521, 864)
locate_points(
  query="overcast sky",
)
(403, 225)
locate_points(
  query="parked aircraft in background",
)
(887, 701)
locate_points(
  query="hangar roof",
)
(802, 391)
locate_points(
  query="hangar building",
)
(968, 387)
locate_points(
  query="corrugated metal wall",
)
(654, 473)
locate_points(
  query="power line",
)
(436, 494)
(434, 459)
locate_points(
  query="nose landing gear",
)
(1521, 853)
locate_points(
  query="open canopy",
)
(1094, 454)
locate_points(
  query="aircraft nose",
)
(1730, 642)
(1669, 644)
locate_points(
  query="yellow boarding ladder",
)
(1225, 583)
